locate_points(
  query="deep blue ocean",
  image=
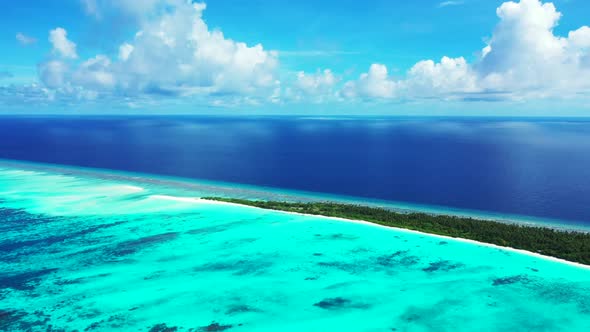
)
(532, 167)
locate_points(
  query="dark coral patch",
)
(23, 281)
(44, 242)
(340, 236)
(16, 320)
(163, 328)
(429, 318)
(337, 236)
(390, 259)
(10, 318)
(63, 282)
(215, 327)
(213, 229)
(396, 259)
(509, 280)
(409, 261)
(238, 242)
(337, 303)
(565, 292)
(442, 266)
(14, 219)
(333, 303)
(241, 308)
(154, 275)
(347, 267)
(341, 285)
(240, 267)
(89, 313)
(360, 250)
(207, 230)
(133, 246)
(116, 322)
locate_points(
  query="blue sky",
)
(471, 57)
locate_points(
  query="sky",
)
(385, 57)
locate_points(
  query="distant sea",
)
(516, 166)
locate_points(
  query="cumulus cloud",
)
(53, 74)
(319, 85)
(524, 53)
(179, 52)
(125, 51)
(15, 95)
(427, 78)
(95, 74)
(173, 53)
(62, 46)
(522, 59)
(580, 38)
(24, 39)
(373, 84)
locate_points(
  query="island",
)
(572, 246)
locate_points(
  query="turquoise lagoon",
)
(83, 250)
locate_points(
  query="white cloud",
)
(91, 8)
(125, 51)
(373, 84)
(449, 3)
(320, 83)
(95, 74)
(524, 59)
(179, 51)
(29, 94)
(427, 78)
(53, 73)
(173, 53)
(24, 39)
(62, 46)
(580, 38)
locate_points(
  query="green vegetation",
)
(571, 246)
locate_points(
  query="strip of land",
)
(568, 245)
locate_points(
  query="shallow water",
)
(84, 253)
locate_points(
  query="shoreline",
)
(368, 223)
(204, 199)
(266, 193)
